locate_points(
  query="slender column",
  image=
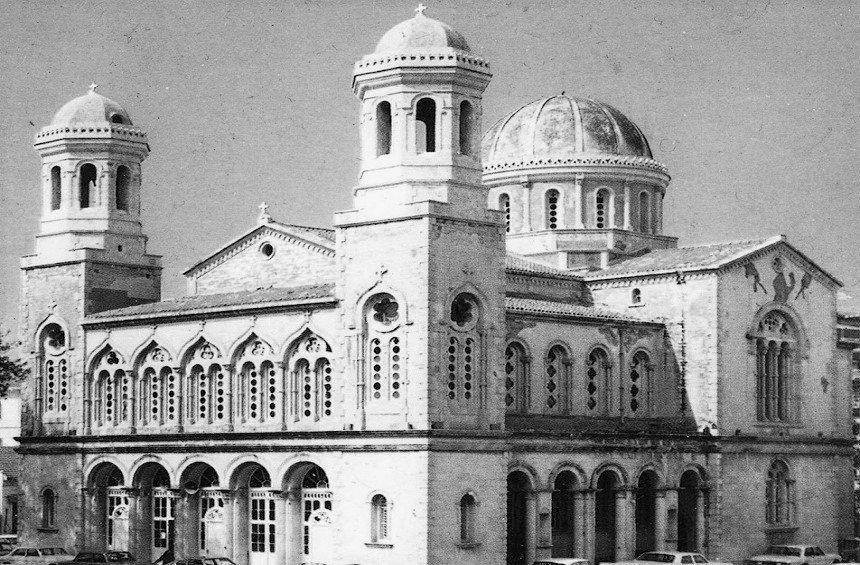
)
(132, 375)
(181, 390)
(579, 523)
(280, 525)
(239, 525)
(624, 523)
(671, 502)
(660, 518)
(285, 394)
(701, 530)
(589, 503)
(133, 503)
(88, 402)
(543, 548)
(577, 202)
(627, 222)
(527, 206)
(531, 526)
(230, 375)
(184, 526)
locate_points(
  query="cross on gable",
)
(420, 9)
(93, 86)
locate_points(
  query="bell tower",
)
(421, 257)
(90, 251)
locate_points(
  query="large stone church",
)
(495, 355)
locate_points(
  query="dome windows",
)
(425, 126)
(383, 128)
(644, 212)
(87, 185)
(56, 190)
(123, 181)
(601, 205)
(505, 206)
(551, 203)
(467, 134)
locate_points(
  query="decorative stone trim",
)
(370, 62)
(624, 160)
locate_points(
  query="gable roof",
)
(697, 258)
(568, 310)
(204, 303)
(320, 238)
(517, 264)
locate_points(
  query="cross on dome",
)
(93, 86)
(419, 11)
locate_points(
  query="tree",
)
(12, 370)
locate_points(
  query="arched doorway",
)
(564, 515)
(157, 512)
(689, 512)
(310, 516)
(254, 517)
(108, 515)
(646, 512)
(519, 490)
(205, 530)
(605, 517)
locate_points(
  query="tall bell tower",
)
(90, 251)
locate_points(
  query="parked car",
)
(98, 558)
(793, 555)
(204, 561)
(561, 561)
(671, 557)
(35, 555)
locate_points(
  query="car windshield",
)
(784, 550)
(661, 557)
(47, 550)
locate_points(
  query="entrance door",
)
(263, 533)
(518, 487)
(163, 515)
(213, 533)
(317, 525)
(117, 519)
(605, 518)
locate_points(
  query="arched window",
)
(384, 350)
(776, 357)
(557, 363)
(123, 180)
(378, 519)
(157, 389)
(48, 508)
(505, 206)
(56, 188)
(468, 519)
(87, 184)
(598, 385)
(116, 119)
(551, 213)
(516, 378)
(637, 387)
(644, 212)
(310, 388)
(601, 208)
(259, 386)
(466, 128)
(636, 296)
(112, 391)
(425, 126)
(780, 496)
(206, 387)
(463, 355)
(55, 368)
(383, 128)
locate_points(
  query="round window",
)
(267, 250)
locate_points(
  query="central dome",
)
(421, 34)
(562, 127)
(91, 108)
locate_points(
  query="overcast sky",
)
(751, 104)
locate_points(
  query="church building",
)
(496, 354)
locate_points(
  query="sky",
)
(751, 104)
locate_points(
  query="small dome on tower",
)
(562, 127)
(91, 108)
(421, 33)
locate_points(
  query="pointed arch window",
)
(552, 212)
(556, 369)
(644, 212)
(56, 188)
(776, 351)
(425, 126)
(379, 511)
(463, 353)
(111, 391)
(259, 386)
(206, 386)
(598, 382)
(310, 387)
(53, 347)
(781, 505)
(516, 378)
(505, 206)
(123, 182)
(467, 135)
(385, 350)
(158, 389)
(87, 185)
(383, 128)
(639, 384)
(601, 208)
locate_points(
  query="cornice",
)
(620, 165)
